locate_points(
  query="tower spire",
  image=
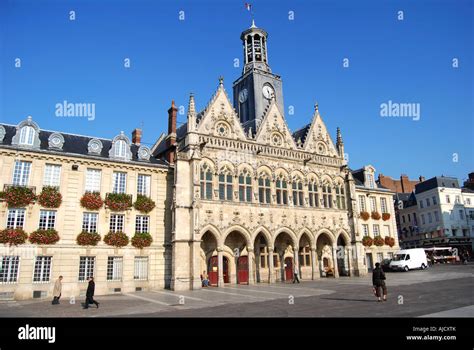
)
(339, 143)
(191, 113)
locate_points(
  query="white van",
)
(408, 259)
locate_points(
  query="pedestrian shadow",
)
(347, 299)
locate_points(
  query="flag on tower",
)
(248, 6)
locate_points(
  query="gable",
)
(219, 118)
(318, 139)
(273, 130)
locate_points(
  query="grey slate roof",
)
(75, 145)
(437, 181)
(301, 133)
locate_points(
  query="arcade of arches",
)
(238, 257)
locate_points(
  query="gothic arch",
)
(288, 231)
(306, 231)
(213, 230)
(326, 232)
(345, 236)
(266, 233)
(240, 229)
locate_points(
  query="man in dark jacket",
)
(378, 281)
(90, 294)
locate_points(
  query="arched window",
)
(27, 135)
(298, 198)
(264, 190)
(225, 185)
(206, 182)
(340, 197)
(327, 196)
(281, 191)
(120, 149)
(245, 186)
(313, 194)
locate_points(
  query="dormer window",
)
(120, 149)
(27, 135)
(370, 181)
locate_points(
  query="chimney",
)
(137, 136)
(421, 178)
(172, 112)
(171, 138)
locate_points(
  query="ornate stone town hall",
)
(238, 196)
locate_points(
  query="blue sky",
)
(407, 61)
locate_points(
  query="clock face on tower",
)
(267, 91)
(243, 95)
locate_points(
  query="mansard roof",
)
(74, 145)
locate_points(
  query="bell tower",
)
(257, 85)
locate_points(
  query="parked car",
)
(386, 265)
(408, 259)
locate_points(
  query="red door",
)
(213, 271)
(243, 269)
(226, 270)
(288, 269)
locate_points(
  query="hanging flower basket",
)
(49, 236)
(13, 236)
(118, 201)
(18, 196)
(379, 241)
(142, 240)
(88, 238)
(364, 215)
(367, 241)
(92, 201)
(116, 239)
(144, 204)
(390, 241)
(50, 197)
(385, 216)
(376, 215)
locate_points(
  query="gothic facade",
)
(253, 202)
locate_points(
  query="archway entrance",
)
(262, 256)
(209, 260)
(236, 246)
(304, 258)
(342, 257)
(284, 247)
(325, 255)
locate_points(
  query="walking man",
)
(295, 275)
(90, 294)
(58, 286)
(378, 281)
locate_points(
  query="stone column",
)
(314, 266)
(296, 261)
(220, 268)
(334, 258)
(349, 260)
(271, 274)
(251, 257)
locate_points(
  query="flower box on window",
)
(92, 201)
(379, 241)
(13, 236)
(385, 216)
(144, 204)
(88, 238)
(116, 239)
(118, 201)
(50, 197)
(18, 196)
(367, 241)
(49, 236)
(364, 215)
(375, 215)
(390, 241)
(142, 240)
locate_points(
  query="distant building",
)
(469, 183)
(438, 213)
(404, 185)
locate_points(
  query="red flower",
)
(144, 204)
(376, 215)
(390, 241)
(367, 241)
(13, 236)
(88, 238)
(116, 239)
(118, 201)
(142, 240)
(364, 215)
(50, 197)
(385, 216)
(379, 241)
(92, 201)
(18, 196)
(49, 236)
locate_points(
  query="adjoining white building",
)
(439, 212)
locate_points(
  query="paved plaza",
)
(441, 291)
